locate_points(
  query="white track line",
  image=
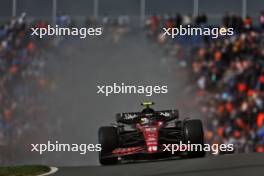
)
(52, 171)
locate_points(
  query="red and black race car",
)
(143, 135)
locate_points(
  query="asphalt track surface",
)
(225, 165)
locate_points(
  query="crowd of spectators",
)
(229, 72)
(21, 75)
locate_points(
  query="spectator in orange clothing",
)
(260, 119)
(241, 87)
(31, 47)
(248, 22)
(217, 56)
(229, 107)
(169, 23)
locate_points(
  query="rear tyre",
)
(108, 139)
(193, 132)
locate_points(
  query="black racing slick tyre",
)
(108, 139)
(193, 133)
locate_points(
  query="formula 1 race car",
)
(143, 135)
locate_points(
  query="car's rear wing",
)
(133, 117)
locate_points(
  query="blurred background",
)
(81, 9)
(48, 86)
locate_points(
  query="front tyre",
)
(193, 132)
(108, 139)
